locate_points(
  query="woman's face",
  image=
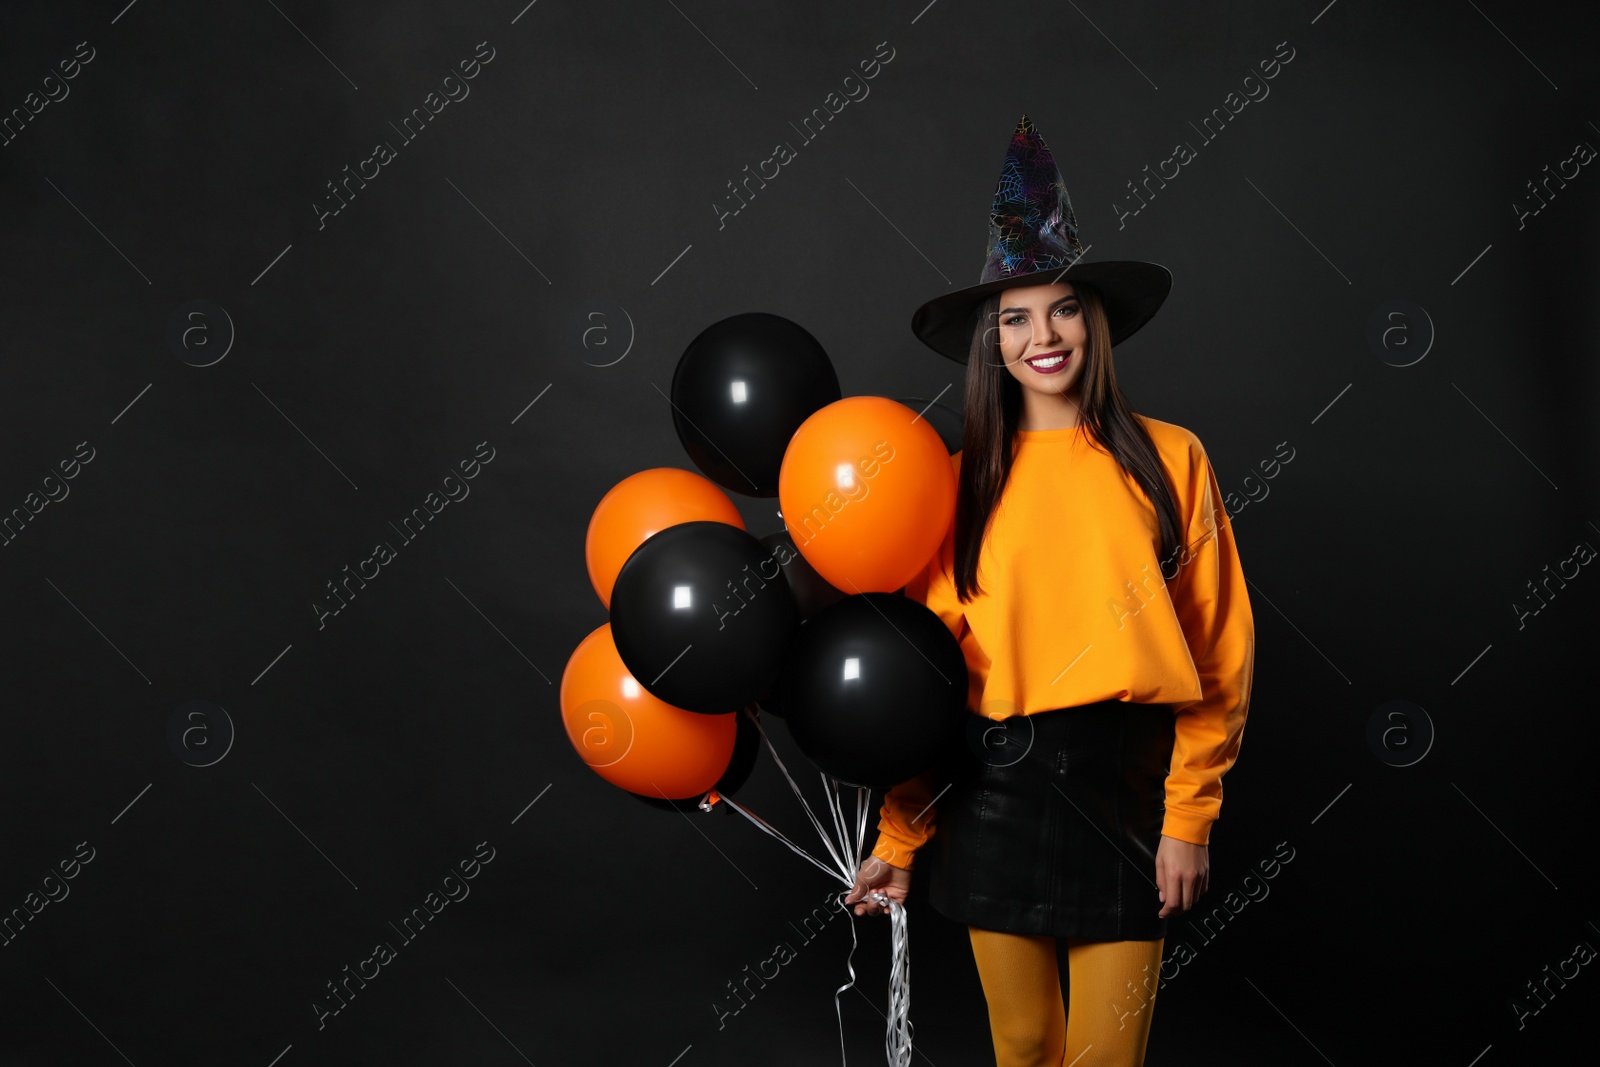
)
(1042, 337)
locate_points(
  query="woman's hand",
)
(1183, 874)
(877, 877)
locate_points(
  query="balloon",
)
(868, 491)
(746, 747)
(739, 391)
(874, 689)
(640, 505)
(632, 739)
(811, 593)
(701, 616)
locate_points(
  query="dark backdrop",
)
(172, 525)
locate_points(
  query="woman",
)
(1092, 579)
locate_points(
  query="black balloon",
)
(811, 590)
(874, 689)
(741, 390)
(700, 618)
(746, 747)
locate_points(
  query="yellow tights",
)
(1111, 989)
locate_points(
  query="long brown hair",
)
(994, 409)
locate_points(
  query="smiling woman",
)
(1097, 831)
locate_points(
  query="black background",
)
(375, 352)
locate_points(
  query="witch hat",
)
(1033, 240)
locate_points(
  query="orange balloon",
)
(632, 739)
(868, 491)
(643, 504)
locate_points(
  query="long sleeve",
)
(1213, 606)
(907, 819)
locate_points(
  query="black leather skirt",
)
(1051, 823)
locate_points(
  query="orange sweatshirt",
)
(1076, 609)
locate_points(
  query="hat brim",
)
(1132, 290)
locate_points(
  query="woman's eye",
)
(1069, 308)
(1014, 320)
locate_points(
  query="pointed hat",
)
(1033, 240)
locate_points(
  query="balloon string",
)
(860, 831)
(863, 799)
(794, 786)
(897, 1042)
(762, 824)
(830, 791)
(843, 872)
(898, 1039)
(863, 812)
(838, 1009)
